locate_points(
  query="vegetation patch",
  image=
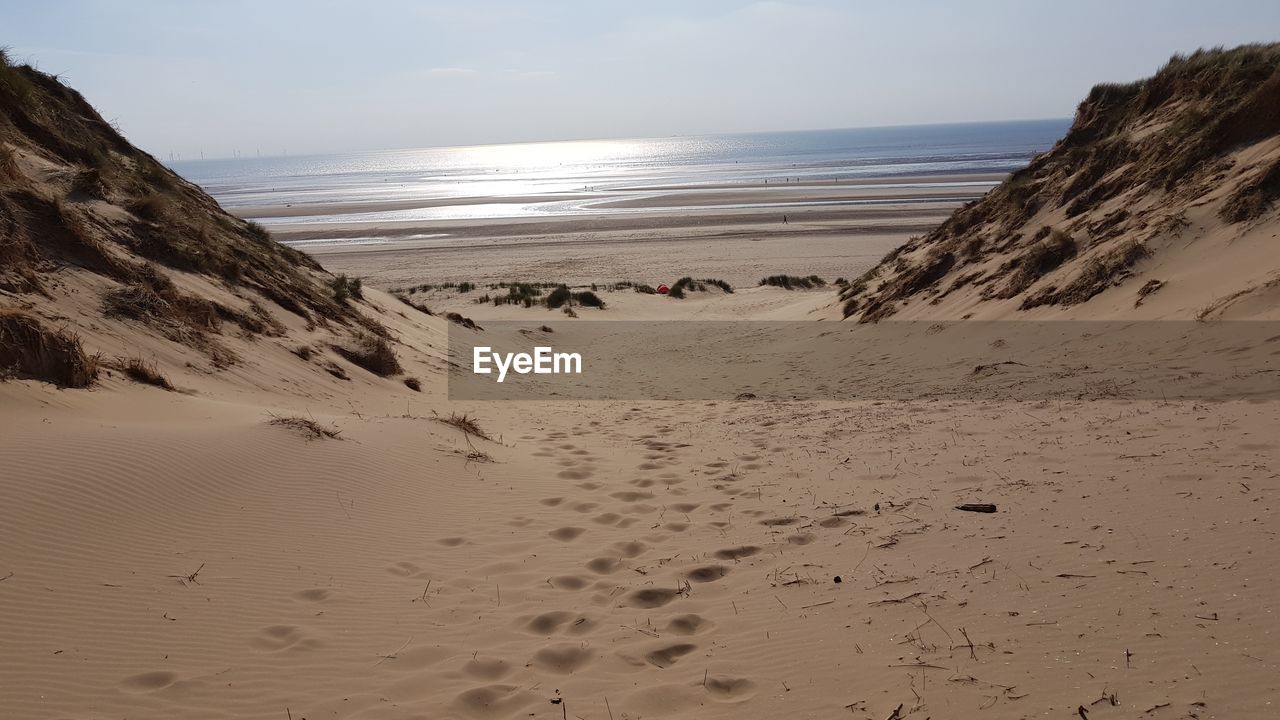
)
(559, 297)
(144, 371)
(308, 428)
(1147, 288)
(1039, 260)
(687, 284)
(29, 349)
(1098, 273)
(793, 282)
(466, 423)
(420, 307)
(372, 353)
(586, 298)
(346, 289)
(459, 319)
(1253, 198)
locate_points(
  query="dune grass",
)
(30, 349)
(372, 353)
(145, 372)
(794, 282)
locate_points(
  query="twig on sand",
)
(979, 369)
(891, 601)
(897, 713)
(189, 579)
(973, 654)
(606, 707)
(424, 594)
(394, 653)
(650, 633)
(924, 608)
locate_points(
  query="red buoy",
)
(663, 289)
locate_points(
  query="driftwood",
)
(977, 507)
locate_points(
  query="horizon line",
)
(618, 139)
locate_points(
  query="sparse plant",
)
(466, 423)
(588, 298)
(257, 231)
(792, 282)
(372, 353)
(345, 289)
(28, 348)
(420, 307)
(144, 371)
(153, 206)
(309, 428)
(459, 319)
(561, 296)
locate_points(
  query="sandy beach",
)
(710, 559)
(654, 244)
(236, 481)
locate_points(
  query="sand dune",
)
(641, 559)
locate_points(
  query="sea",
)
(599, 177)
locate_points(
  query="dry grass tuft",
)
(466, 424)
(466, 322)
(145, 372)
(9, 170)
(1098, 273)
(373, 354)
(309, 428)
(346, 289)
(1254, 198)
(792, 282)
(1146, 290)
(1039, 260)
(29, 349)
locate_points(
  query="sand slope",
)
(639, 560)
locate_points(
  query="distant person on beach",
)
(784, 219)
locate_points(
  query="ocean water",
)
(615, 176)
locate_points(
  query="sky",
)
(273, 77)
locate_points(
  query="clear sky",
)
(331, 75)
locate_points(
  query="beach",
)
(627, 559)
(238, 478)
(825, 231)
